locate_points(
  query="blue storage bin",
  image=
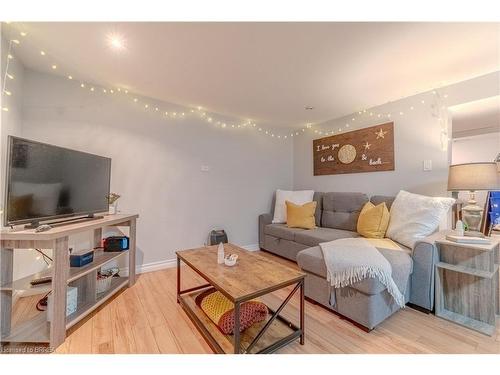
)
(495, 204)
(495, 218)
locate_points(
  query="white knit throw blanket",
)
(350, 260)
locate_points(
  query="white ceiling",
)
(269, 72)
(478, 117)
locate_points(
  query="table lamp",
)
(473, 177)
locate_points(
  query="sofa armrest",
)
(264, 220)
(425, 256)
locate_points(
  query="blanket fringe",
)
(356, 274)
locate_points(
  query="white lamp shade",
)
(473, 176)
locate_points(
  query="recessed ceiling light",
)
(308, 108)
(116, 41)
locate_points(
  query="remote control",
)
(43, 228)
(41, 280)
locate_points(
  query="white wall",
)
(25, 262)
(156, 164)
(417, 137)
(478, 148)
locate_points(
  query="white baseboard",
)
(150, 267)
(170, 263)
(253, 247)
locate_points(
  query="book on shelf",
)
(467, 239)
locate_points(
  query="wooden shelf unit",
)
(23, 284)
(38, 329)
(467, 284)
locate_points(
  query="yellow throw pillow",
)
(373, 220)
(300, 216)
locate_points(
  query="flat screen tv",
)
(46, 182)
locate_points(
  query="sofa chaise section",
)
(366, 302)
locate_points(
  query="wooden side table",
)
(467, 282)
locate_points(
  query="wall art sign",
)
(364, 150)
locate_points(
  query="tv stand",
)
(36, 224)
(38, 329)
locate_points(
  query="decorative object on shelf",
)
(81, 259)
(468, 239)
(220, 254)
(113, 203)
(104, 279)
(459, 228)
(230, 259)
(365, 150)
(473, 177)
(116, 243)
(71, 302)
(220, 310)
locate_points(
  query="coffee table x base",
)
(280, 330)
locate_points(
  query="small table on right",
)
(467, 281)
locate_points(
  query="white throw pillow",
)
(298, 197)
(414, 217)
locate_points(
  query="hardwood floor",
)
(147, 319)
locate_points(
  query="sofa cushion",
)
(282, 231)
(373, 220)
(377, 199)
(300, 216)
(415, 216)
(341, 210)
(298, 197)
(311, 260)
(313, 237)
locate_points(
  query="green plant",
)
(112, 197)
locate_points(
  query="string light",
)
(201, 113)
(210, 119)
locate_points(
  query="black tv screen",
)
(47, 182)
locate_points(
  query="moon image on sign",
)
(347, 154)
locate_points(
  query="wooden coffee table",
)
(253, 276)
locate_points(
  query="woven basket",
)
(104, 283)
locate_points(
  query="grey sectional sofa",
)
(367, 302)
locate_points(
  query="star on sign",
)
(367, 146)
(380, 134)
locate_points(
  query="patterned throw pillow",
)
(220, 310)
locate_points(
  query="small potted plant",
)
(112, 201)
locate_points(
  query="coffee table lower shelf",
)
(280, 332)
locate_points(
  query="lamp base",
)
(472, 214)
